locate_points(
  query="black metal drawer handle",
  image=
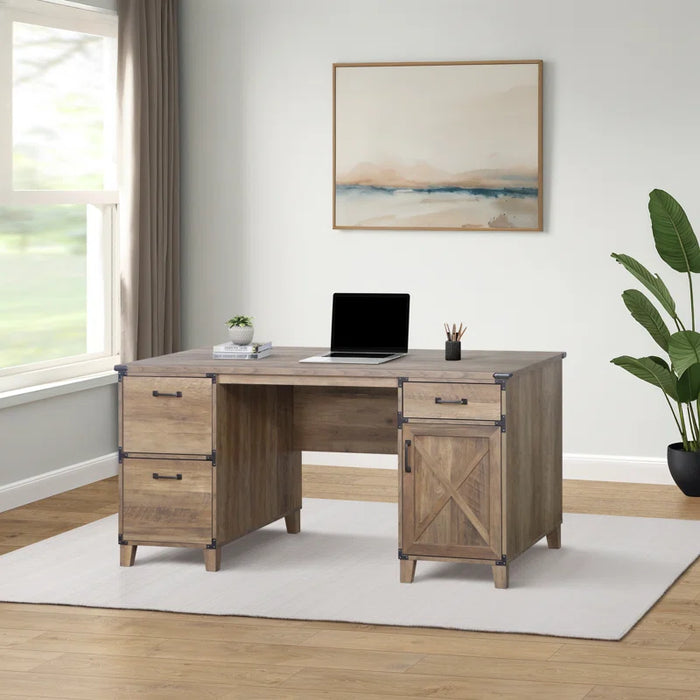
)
(177, 394)
(463, 402)
(406, 466)
(156, 475)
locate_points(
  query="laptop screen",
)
(370, 323)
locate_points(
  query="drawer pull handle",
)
(462, 402)
(406, 466)
(156, 475)
(177, 394)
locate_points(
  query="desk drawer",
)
(167, 415)
(167, 500)
(452, 400)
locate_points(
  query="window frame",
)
(91, 21)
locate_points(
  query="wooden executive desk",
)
(211, 449)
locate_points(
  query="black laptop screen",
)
(370, 323)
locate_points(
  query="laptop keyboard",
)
(360, 354)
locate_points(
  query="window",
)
(58, 192)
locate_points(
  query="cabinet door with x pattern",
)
(451, 491)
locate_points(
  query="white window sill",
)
(47, 391)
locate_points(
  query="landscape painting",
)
(438, 146)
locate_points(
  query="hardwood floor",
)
(66, 652)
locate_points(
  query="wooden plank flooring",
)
(65, 652)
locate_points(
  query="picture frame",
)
(438, 146)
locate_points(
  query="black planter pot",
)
(685, 468)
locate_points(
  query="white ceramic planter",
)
(241, 335)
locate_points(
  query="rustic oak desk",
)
(211, 449)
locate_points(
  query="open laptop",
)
(367, 329)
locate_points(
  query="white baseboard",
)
(642, 470)
(50, 483)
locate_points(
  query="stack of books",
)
(231, 351)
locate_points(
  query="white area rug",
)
(344, 566)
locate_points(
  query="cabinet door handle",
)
(177, 394)
(406, 465)
(463, 402)
(163, 476)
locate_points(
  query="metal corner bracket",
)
(121, 539)
(401, 380)
(212, 376)
(402, 555)
(503, 561)
(121, 371)
(400, 420)
(501, 423)
(501, 378)
(213, 544)
(212, 458)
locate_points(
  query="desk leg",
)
(293, 522)
(408, 570)
(212, 559)
(554, 538)
(127, 554)
(500, 575)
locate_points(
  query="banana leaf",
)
(684, 349)
(644, 312)
(650, 371)
(674, 238)
(689, 384)
(660, 361)
(653, 282)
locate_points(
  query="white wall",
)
(55, 444)
(621, 116)
(57, 432)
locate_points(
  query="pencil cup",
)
(453, 350)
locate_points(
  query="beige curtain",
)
(147, 73)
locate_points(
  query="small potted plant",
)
(240, 329)
(679, 378)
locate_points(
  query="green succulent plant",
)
(679, 377)
(240, 321)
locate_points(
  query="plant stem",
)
(693, 427)
(682, 427)
(692, 301)
(678, 425)
(696, 430)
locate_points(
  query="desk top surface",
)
(475, 365)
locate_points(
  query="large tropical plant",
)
(679, 378)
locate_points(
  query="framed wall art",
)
(438, 146)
